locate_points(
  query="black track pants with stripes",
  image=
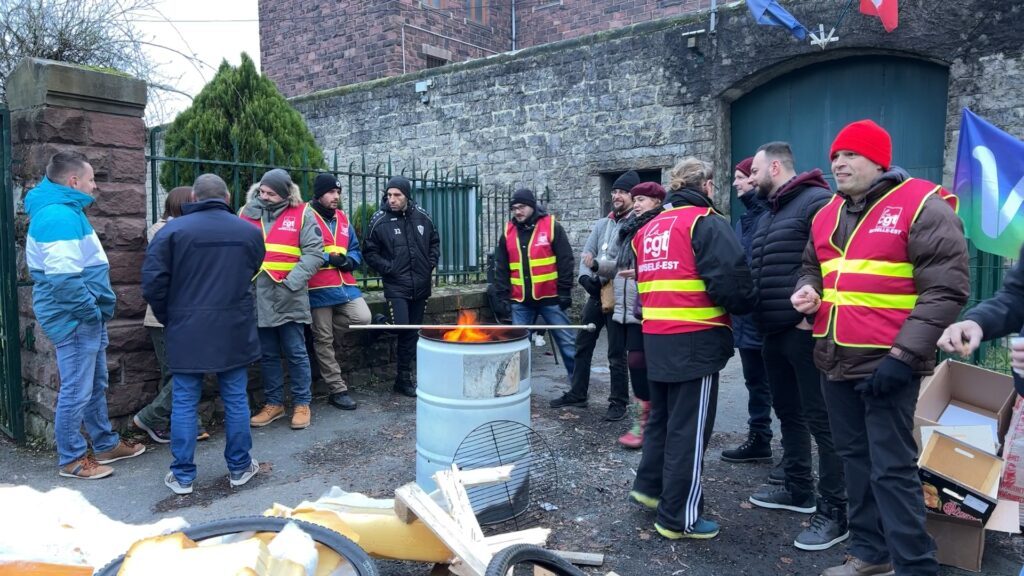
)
(677, 434)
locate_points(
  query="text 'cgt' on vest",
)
(541, 258)
(335, 242)
(672, 294)
(281, 242)
(868, 286)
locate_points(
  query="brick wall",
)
(544, 21)
(307, 46)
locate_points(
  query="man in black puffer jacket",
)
(402, 245)
(776, 257)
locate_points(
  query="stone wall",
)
(56, 107)
(567, 114)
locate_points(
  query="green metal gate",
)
(11, 418)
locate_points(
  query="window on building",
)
(609, 178)
(433, 3)
(477, 10)
(435, 62)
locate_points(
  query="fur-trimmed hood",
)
(255, 207)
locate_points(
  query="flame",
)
(467, 318)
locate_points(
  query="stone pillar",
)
(58, 106)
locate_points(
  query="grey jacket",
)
(288, 301)
(606, 245)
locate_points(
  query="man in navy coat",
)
(197, 277)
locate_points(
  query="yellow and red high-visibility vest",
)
(673, 296)
(281, 242)
(335, 242)
(541, 258)
(868, 285)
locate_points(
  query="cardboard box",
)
(961, 543)
(958, 479)
(967, 387)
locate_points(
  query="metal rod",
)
(588, 327)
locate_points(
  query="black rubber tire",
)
(530, 554)
(346, 548)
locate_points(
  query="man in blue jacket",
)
(73, 301)
(197, 277)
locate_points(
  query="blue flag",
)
(990, 184)
(770, 13)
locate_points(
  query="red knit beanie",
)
(744, 165)
(648, 189)
(867, 139)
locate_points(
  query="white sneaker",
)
(538, 341)
(239, 478)
(177, 487)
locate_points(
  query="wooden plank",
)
(403, 512)
(448, 482)
(472, 557)
(486, 475)
(581, 558)
(535, 536)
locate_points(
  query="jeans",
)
(874, 436)
(759, 394)
(82, 399)
(329, 321)
(586, 342)
(238, 440)
(523, 314)
(287, 340)
(797, 398)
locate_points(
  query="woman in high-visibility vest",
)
(691, 273)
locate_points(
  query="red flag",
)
(886, 11)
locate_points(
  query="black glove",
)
(341, 262)
(592, 284)
(565, 302)
(890, 376)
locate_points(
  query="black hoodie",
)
(722, 265)
(777, 249)
(564, 260)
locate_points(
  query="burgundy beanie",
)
(744, 165)
(867, 139)
(648, 189)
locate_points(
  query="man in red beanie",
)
(885, 270)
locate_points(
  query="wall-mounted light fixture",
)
(422, 88)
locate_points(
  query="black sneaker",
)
(380, 319)
(777, 475)
(566, 400)
(828, 527)
(342, 400)
(757, 448)
(615, 412)
(782, 499)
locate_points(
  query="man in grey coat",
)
(597, 267)
(295, 251)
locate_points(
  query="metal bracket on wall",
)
(422, 87)
(29, 342)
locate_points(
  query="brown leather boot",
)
(857, 567)
(268, 414)
(300, 417)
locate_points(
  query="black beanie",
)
(626, 181)
(523, 196)
(400, 182)
(324, 183)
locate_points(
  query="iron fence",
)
(454, 197)
(987, 271)
(11, 416)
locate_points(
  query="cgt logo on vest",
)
(656, 240)
(542, 239)
(888, 221)
(288, 224)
